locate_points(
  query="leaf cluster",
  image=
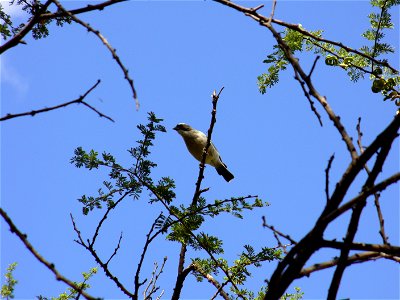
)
(126, 181)
(72, 293)
(277, 60)
(7, 289)
(32, 8)
(239, 270)
(192, 217)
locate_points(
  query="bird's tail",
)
(223, 171)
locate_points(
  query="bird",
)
(196, 141)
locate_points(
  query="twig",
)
(328, 168)
(79, 100)
(108, 46)
(50, 266)
(115, 250)
(307, 94)
(88, 8)
(377, 33)
(87, 245)
(278, 232)
(272, 11)
(313, 66)
(153, 281)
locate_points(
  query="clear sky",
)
(178, 52)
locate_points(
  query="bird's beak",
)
(175, 128)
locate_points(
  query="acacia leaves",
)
(126, 181)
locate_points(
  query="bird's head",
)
(182, 127)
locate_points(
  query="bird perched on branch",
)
(196, 141)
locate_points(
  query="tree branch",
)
(139, 267)
(376, 195)
(79, 100)
(88, 246)
(214, 282)
(356, 258)
(41, 259)
(263, 21)
(88, 8)
(108, 46)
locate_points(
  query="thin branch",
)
(376, 195)
(88, 8)
(292, 241)
(313, 66)
(307, 94)
(50, 266)
(327, 170)
(377, 33)
(387, 249)
(111, 207)
(139, 267)
(153, 281)
(105, 43)
(115, 250)
(271, 16)
(215, 98)
(16, 39)
(76, 101)
(214, 282)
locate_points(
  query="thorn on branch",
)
(327, 170)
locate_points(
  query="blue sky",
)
(178, 52)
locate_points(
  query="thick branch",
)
(16, 39)
(356, 215)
